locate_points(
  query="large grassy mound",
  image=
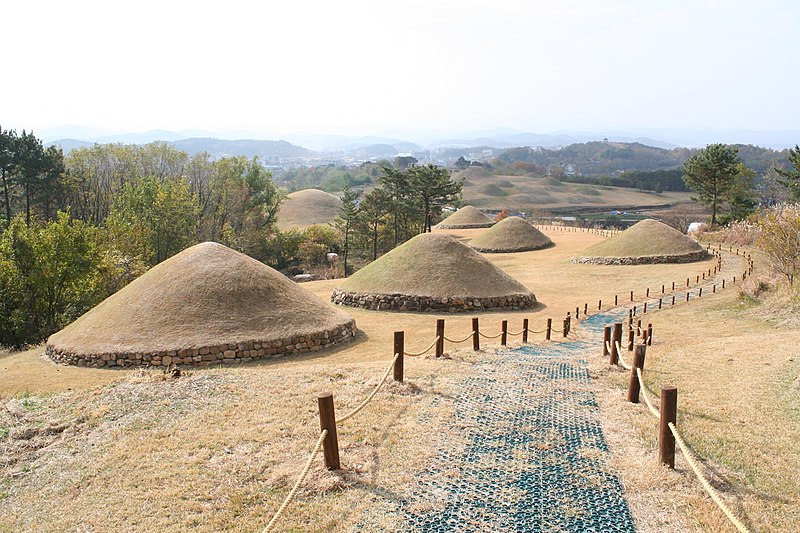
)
(207, 295)
(434, 265)
(305, 208)
(466, 217)
(511, 234)
(474, 172)
(645, 241)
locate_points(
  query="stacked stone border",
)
(407, 302)
(221, 354)
(643, 260)
(513, 250)
(465, 226)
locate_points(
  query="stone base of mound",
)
(643, 260)
(465, 226)
(406, 302)
(222, 354)
(514, 250)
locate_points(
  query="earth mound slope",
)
(433, 272)
(466, 217)
(305, 208)
(206, 305)
(512, 234)
(648, 241)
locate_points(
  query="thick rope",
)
(621, 361)
(363, 404)
(423, 352)
(536, 332)
(643, 389)
(300, 479)
(715, 495)
(514, 334)
(491, 336)
(460, 340)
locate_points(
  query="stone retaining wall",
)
(643, 260)
(465, 226)
(507, 251)
(222, 354)
(405, 302)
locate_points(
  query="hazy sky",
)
(356, 67)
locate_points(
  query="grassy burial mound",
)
(648, 241)
(305, 208)
(512, 234)
(465, 218)
(207, 305)
(433, 272)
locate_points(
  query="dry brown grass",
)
(467, 216)
(305, 208)
(648, 237)
(512, 234)
(218, 449)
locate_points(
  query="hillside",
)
(247, 147)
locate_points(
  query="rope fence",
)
(612, 345)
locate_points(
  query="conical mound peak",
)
(203, 299)
(465, 218)
(512, 234)
(308, 207)
(433, 271)
(648, 241)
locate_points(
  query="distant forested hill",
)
(245, 147)
(606, 158)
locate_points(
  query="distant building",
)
(569, 170)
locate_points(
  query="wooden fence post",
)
(399, 348)
(524, 330)
(644, 309)
(606, 340)
(723, 283)
(638, 327)
(700, 293)
(631, 295)
(714, 289)
(549, 329)
(476, 335)
(327, 420)
(662, 288)
(649, 334)
(633, 384)
(615, 340)
(669, 413)
(585, 309)
(599, 305)
(687, 296)
(616, 299)
(659, 303)
(673, 300)
(504, 336)
(673, 285)
(687, 282)
(630, 340)
(577, 312)
(647, 295)
(440, 337)
(565, 330)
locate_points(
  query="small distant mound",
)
(648, 241)
(475, 172)
(552, 182)
(512, 234)
(465, 218)
(433, 272)
(305, 208)
(490, 189)
(207, 305)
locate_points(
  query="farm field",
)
(219, 448)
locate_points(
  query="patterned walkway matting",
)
(535, 455)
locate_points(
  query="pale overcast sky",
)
(355, 67)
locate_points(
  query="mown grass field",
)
(218, 449)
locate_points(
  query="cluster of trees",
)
(406, 202)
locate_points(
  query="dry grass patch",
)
(305, 208)
(645, 238)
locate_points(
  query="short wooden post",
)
(687, 282)
(648, 293)
(700, 293)
(606, 340)
(439, 337)
(662, 288)
(687, 296)
(327, 420)
(549, 329)
(524, 330)
(633, 384)
(634, 310)
(698, 279)
(644, 308)
(476, 335)
(630, 340)
(704, 276)
(599, 305)
(714, 289)
(723, 283)
(399, 349)
(669, 414)
(673, 300)
(649, 334)
(616, 340)
(577, 313)
(660, 303)
(565, 329)
(504, 336)
(616, 299)
(585, 309)
(631, 295)
(673, 285)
